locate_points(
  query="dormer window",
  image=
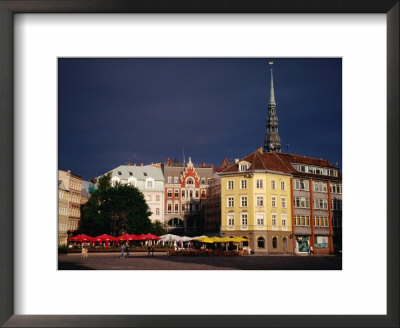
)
(119, 173)
(145, 174)
(176, 180)
(243, 166)
(130, 173)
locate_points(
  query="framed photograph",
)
(37, 37)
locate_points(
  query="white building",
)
(149, 179)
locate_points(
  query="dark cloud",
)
(112, 110)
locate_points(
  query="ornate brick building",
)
(186, 186)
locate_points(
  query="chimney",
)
(203, 164)
(259, 150)
(141, 164)
(236, 160)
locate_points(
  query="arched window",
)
(260, 242)
(274, 242)
(175, 223)
(189, 181)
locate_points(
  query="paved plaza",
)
(162, 261)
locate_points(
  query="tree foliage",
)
(120, 200)
(158, 228)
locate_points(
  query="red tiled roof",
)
(280, 162)
(291, 158)
(261, 161)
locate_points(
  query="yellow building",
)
(256, 202)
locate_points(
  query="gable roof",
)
(138, 172)
(292, 158)
(260, 161)
(282, 162)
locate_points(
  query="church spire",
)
(272, 140)
(272, 92)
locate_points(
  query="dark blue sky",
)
(114, 110)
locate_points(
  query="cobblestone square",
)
(162, 261)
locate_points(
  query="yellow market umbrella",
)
(205, 240)
(238, 239)
(218, 240)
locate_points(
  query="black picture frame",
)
(7, 10)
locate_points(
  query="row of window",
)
(259, 184)
(259, 219)
(188, 193)
(62, 227)
(318, 186)
(318, 170)
(149, 198)
(63, 210)
(304, 220)
(318, 203)
(261, 242)
(185, 207)
(73, 225)
(259, 201)
(336, 188)
(188, 181)
(149, 183)
(74, 184)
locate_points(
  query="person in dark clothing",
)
(148, 250)
(152, 251)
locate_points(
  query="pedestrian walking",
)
(148, 250)
(122, 251)
(127, 251)
(311, 250)
(83, 251)
(152, 251)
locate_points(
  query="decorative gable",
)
(190, 172)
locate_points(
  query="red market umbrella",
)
(81, 238)
(125, 237)
(150, 236)
(141, 237)
(104, 237)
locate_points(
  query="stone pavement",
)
(161, 261)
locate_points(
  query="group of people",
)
(124, 249)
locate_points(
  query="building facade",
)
(317, 204)
(211, 206)
(73, 183)
(63, 213)
(255, 202)
(186, 186)
(149, 180)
